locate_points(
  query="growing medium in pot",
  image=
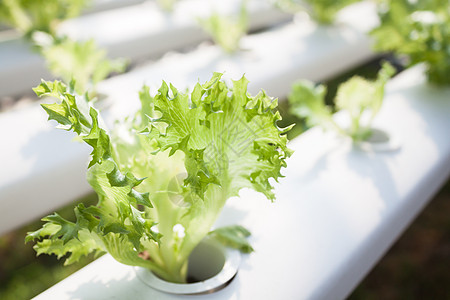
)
(163, 175)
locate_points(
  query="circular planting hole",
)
(378, 136)
(211, 267)
(205, 261)
(379, 141)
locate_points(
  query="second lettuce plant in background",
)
(360, 98)
(227, 31)
(80, 60)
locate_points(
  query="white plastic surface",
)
(336, 213)
(101, 5)
(41, 169)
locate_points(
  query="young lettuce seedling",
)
(227, 31)
(420, 30)
(82, 60)
(360, 98)
(163, 176)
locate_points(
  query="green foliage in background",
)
(227, 31)
(323, 11)
(360, 98)
(420, 30)
(29, 16)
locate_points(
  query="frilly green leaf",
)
(227, 136)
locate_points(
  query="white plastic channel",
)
(102, 5)
(132, 32)
(43, 170)
(337, 210)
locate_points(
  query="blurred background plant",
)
(227, 30)
(418, 31)
(358, 97)
(80, 60)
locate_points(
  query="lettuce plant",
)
(420, 30)
(323, 11)
(82, 60)
(163, 176)
(227, 31)
(360, 98)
